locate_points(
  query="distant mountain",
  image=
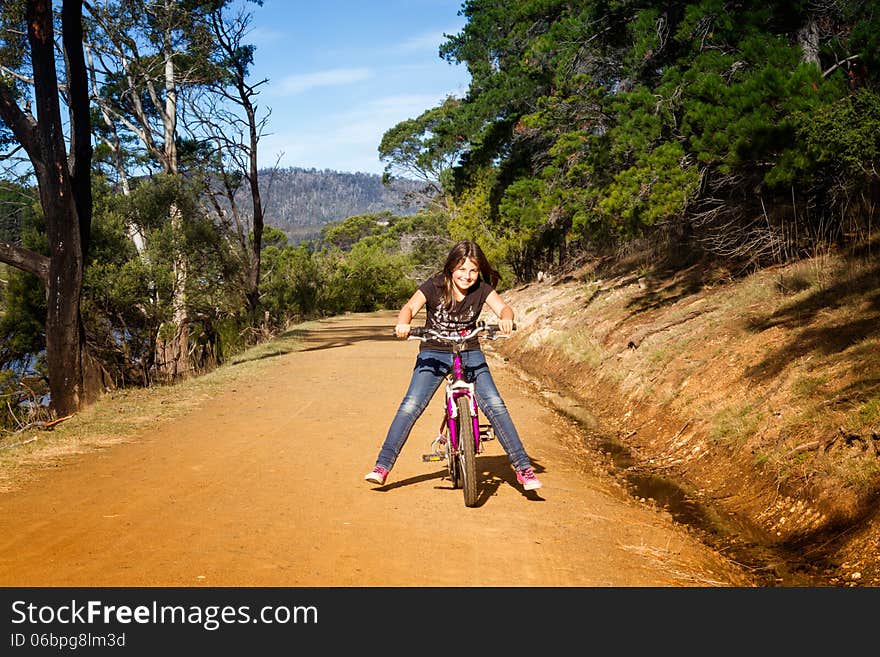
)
(301, 201)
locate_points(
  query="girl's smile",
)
(464, 276)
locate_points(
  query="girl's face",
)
(465, 274)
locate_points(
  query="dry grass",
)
(763, 371)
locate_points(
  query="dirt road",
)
(263, 486)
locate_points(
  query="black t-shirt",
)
(461, 317)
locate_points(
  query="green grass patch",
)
(734, 425)
(579, 345)
(807, 386)
(869, 413)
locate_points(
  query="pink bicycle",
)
(461, 434)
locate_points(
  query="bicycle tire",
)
(467, 451)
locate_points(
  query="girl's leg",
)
(490, 402)
(428, 373)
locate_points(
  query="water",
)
(21, 370)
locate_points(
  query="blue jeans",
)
(428, 373)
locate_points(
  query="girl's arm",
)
(502, 310)
(409, 310)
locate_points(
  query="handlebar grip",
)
(414, 332)
(494, 327)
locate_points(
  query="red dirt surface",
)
(263, 486)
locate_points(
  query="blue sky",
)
(342, 72)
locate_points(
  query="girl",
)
(454, 299)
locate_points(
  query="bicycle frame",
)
(457, 387)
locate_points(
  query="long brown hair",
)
(462, 250)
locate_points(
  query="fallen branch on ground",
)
(827, 443)
(23, 442)
(45, 425)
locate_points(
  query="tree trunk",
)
(81, 126)
(253, 290)
(173, 350)
(63, 330)
(176, 352)
(64, 189)
(808, 39)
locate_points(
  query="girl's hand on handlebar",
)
(505, 326)
(402, 331)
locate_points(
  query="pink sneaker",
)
(527, 478)
(377, 475)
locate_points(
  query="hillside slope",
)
(747, 406)
(300, 202)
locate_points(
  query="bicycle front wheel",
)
(467, 451)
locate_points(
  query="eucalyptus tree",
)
(227, 119)
(63, 176)
(145, 53)
(424, 149)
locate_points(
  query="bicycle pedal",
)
(431, 457)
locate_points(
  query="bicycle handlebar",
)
(492, 332)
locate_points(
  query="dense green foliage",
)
(22, 308)
(591, 123)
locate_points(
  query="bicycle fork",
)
(454, 391)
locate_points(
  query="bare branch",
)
(833, 68)
(26, 260)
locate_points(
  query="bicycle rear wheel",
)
(467, 452)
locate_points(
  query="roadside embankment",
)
(757, 396)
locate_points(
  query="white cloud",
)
(428, 41)
(295, 84)
(407, 106)
(351, 136)
(264, 35)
